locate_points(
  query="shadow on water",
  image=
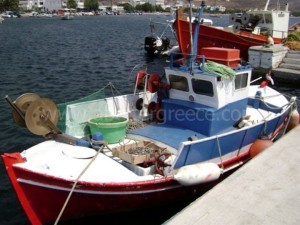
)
(151, 216)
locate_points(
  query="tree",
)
(147, 7)
(11, 5)
(72, 4)
(127, 7)
(91, 5)
(158, 8)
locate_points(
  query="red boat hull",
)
(42, 197)
(213, 37)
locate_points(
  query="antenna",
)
(266, 6)
(194, 41)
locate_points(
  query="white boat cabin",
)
(274, 22)
(200, 101)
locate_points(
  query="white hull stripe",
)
(58, 188)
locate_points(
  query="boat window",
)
(202, 87)
(179, 83)
(241, 81)
(268, 18)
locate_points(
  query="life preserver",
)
(140, 84)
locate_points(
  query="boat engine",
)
(155, 45)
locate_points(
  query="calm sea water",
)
(65, 60)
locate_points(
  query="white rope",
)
(220, 153)
(74, 185)
(292, 107)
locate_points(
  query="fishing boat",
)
(171, 138)
(66, 14)
(249, 29)
(158, 44)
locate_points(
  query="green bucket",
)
(113, 129)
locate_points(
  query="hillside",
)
(252, 4)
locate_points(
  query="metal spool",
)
(40, 115)
(245, 19)
(23, 102)
(236, 27)
(232, 18)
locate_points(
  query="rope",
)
(293, 106)
(74, 185)
(220, 153)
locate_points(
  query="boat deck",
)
(169, 135)
(172, 136)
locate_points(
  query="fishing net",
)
(75, 114)
(219, 69)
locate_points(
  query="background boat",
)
(250, 29)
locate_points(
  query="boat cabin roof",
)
(208, 89)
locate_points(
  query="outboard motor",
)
(165, 44)
(150, 44)
(155, 45)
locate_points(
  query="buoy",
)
(258, 146)
(197, 173)
(294, 120)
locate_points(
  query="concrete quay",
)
(285, 63)
(266, 190)
(289, 69)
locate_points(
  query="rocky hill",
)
(255, 4)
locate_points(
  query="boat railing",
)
(187, 60)
(284, 34)
(167, 27)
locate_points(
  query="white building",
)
(157, 2)
(136, 2)
(41, 4)
(52, 4)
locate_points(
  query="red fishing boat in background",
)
(250, 29)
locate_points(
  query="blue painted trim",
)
(201, 118)
(207, 150)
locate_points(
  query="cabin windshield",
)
(241, 81)
(265, 18)
(202, 87)
(179, 83)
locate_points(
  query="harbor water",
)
(67, 59)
